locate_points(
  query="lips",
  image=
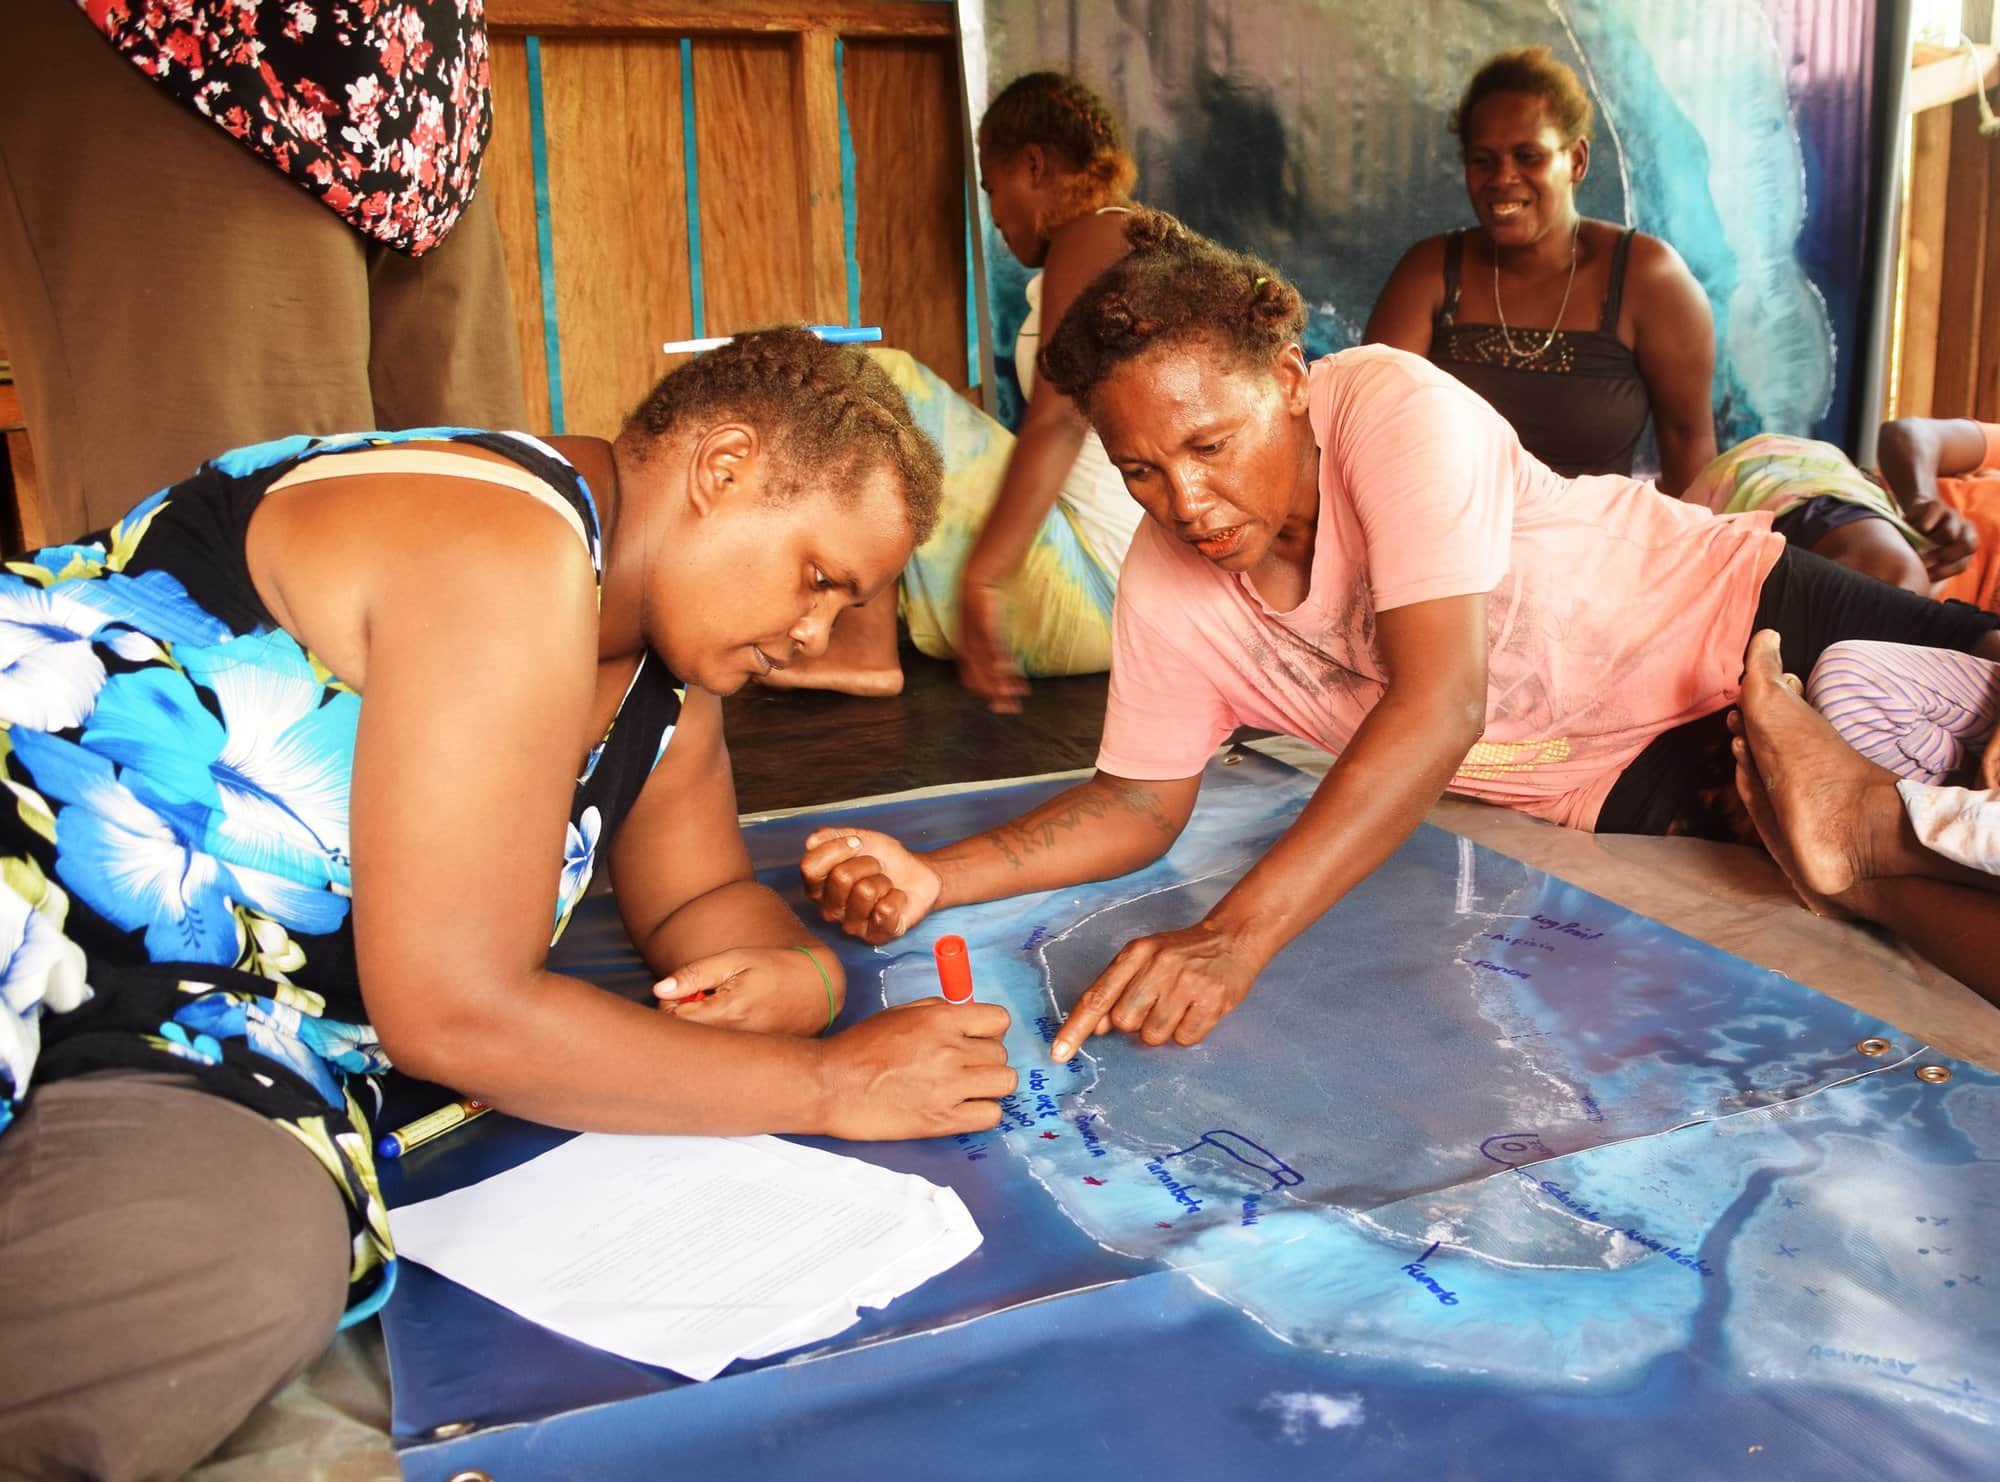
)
(1219, 545)
(765, 663)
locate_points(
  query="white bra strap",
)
(437, 463)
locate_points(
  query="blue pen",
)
(843, 334)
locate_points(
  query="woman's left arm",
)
(692, 904)
(1177, 985)
(1674, 340)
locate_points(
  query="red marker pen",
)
(954, 970)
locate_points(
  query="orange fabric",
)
(1977, 497)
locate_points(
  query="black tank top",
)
(1580, 405)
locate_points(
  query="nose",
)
(812, 633)
(1186, 498)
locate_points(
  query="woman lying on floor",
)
(309, 758)
(1359, 553)
(1020, 577)
(1929, 524)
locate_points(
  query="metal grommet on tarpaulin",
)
(452, 1431)
(1233, 759)
(471, 1476)
(1873, 1047)
(1937, 1075)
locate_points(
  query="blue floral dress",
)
(174, 868)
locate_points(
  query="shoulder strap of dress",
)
(1614, 296)
(436, 463)
(1454, 261)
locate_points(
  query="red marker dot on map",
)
(1095, 1183)
(1050, 1136)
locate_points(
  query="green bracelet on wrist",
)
(831, 1011)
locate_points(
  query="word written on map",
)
(1416, 1272)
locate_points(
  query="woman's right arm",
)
(1409, 300)
(876, 889)
(1051, 435)
(476, 706)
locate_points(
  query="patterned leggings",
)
(1925, 714)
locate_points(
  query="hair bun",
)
(1150, 231)
(1273, 299)
(1117, 321)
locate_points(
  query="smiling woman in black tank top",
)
(1575, 330)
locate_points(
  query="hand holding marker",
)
(954, 968)
(833, 334)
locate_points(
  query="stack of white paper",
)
(690, 1252)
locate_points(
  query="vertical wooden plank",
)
(909, 161)
(816, 112)
(1923, 259)
(754, 263)
(1965, 265)
(613, 114)
(509, 172)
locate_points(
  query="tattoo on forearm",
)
(1042, 829)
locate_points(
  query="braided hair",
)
(829, 412)
(1533, 70)
(1174, 286)
(1073, 124)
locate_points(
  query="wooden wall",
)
(768, 176)
(1948, 351)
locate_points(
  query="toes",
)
(1765, 656)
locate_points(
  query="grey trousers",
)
(168, 1260)
(167, 295)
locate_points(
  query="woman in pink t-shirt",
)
(1359, 553)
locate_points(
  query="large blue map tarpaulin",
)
(1487, 1178)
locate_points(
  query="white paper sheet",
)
(690, 1252)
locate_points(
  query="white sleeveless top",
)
(1094, 492)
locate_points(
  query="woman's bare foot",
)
(1836, 813)
(860, 657)
(1750, 787)
(819, 674)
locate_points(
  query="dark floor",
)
(794, 748)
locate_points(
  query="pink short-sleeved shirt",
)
(1613, 612)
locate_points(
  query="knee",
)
(172, 1262)
(1899, 566)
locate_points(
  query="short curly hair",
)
(1535, 70)
(1072, 123)
(1174, 286)
(828, 412)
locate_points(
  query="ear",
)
(1294, 384)
(1579, 161)
(1036, 163)
(724, 466)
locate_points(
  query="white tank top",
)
(1094, 492)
